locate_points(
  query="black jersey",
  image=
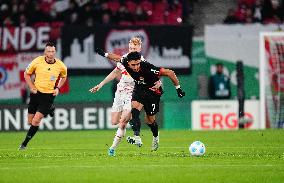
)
(146, 77)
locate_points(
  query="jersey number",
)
(154, 106)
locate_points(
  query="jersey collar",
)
(48, 62)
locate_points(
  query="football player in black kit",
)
(145, 76)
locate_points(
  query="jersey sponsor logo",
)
(155, 71)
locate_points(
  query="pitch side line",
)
(184, 147)
(135, 166)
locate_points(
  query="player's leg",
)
(32, 108)
(151, 122)
(121, 128)
(151, 107)
(135, 123)
(115, 116)
(33, 129)
(30, 118)
(120, 133)
(117, 108)
(41, 103)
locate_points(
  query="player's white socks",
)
(118, 137)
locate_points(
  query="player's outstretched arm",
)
(110, 56)
(171, 74)
(107, 79)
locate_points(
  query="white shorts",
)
(122, 101)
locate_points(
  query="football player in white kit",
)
(121, 108)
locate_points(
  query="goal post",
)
(271, 46)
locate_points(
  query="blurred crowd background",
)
(89, 13)
(129, 12)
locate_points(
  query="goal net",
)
(272, 79)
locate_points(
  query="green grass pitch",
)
(81, 156)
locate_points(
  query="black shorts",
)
(150, 101)
(41, 102)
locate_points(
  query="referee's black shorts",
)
(40, 102)
(150, 101)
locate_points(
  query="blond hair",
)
(135, 41)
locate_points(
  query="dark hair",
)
(133, 56)
(219, 64)
(49, 43)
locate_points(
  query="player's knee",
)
(123, 120)
(114, 122)
(30, 122)
(35, 122)
(150, 119)
(122, 125)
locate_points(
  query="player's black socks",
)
(135, 122)
(154, 128)
(32, 131)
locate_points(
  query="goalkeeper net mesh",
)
(274, 80)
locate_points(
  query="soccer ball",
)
(197, 148)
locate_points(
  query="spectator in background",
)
(23, 21)
(258, 11)
(219, 84)
(241, 13)
(124, 16)
(249, 16)
(140, 14)
(72, 14)
(89, 13)
(106, 15)
(106, 19)
(231, 18)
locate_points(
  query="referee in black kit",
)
(144, 95)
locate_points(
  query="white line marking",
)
(181, 147)
(137, 166)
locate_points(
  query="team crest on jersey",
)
(124, 73)
(141, 80)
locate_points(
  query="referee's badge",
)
(52, 78)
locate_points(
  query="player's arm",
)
(110, 56)
(62, 80)
(171, 74)
(115, 73)
(59, 85)
(28, 75)
(156, 86)
(29, 82)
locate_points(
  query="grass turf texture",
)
(81, 156)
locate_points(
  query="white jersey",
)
(126, 82)
(125, 87)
